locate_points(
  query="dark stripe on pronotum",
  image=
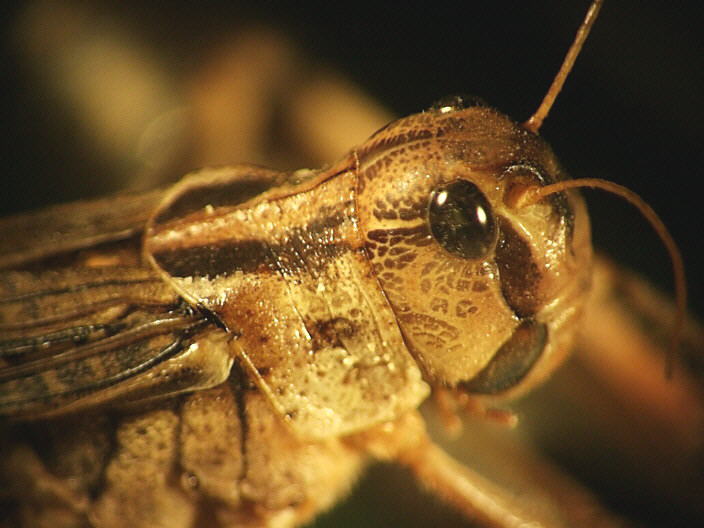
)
(248, 256)
(300, 248)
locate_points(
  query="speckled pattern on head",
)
(455, 314)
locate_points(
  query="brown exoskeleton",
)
(318, 308)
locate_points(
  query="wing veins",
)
(138, 333)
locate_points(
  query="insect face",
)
(484, 292)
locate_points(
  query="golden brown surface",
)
(640, 420)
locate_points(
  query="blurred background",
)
(105, 96)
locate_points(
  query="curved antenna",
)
(524, 195)
(536, 120)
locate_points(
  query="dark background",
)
(631, 111)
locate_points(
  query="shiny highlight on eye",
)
(461, 220)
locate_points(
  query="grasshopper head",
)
(486, 294)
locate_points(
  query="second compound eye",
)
(461, 220)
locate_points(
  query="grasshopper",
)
(312, 309)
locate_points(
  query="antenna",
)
(525, 195)
(536, 120)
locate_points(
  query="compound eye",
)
(461, 220)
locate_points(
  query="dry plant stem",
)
(627, 361)
(466, 490)
(496, 506)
